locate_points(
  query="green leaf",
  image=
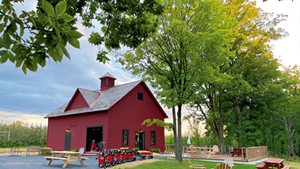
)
(11, 57)
(1, 42)
(61, 8)
(2, 52)
(51, 52)
(66, 17)
(6, 40)
(66, 53)
(12, 27)
(2, 26)
(24, 69)
(33, 22)
(48, 8)
(42, 63)
(21, 30)
(31, 65)
(3, 56)
(74, 34)
(19, 63)
(58, 54)
(24, 14)
(74, 42)
(102, 56)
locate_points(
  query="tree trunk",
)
(290, 135)
(175, 131)
(220, 126)
(239, 122)
(179, 145)
(220, 134)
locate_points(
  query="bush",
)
(135, 150)
(46, 151)
(155, 150)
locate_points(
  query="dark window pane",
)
(125, 137)
(140, 96)
(152, 137)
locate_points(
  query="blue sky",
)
(30, 97)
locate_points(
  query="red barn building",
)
(113, 114)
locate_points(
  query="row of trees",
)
(19, 134)
(216, 58)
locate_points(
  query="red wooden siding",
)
(77, 102)
(129, 113)
(77, 124)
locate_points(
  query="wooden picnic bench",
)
(66, 157)
(238, 152)
(273, 162)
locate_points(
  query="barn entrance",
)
(93, 133)
(140, 140)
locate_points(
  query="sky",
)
(31, 97)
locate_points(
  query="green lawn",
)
(173, 164)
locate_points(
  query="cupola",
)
(107, 81)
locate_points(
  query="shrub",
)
(135, 150)
(155, 150)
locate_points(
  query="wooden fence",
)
(30, 150)
(255, 153)
(251, 153)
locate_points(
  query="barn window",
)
(140, 96)
(125, 136)
(152, 137)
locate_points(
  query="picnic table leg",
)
(266, 166)
(65, 164)
(50, 161)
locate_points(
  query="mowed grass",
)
(173, 164)
(293, 164)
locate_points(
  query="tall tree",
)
(287, 105)
(174, 59)
(28, 38)
(248, 68)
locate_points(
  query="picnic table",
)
(66, 157)
(272, 162)
(238, 151)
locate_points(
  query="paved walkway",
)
(39, 162)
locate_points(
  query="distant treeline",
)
(20, 134)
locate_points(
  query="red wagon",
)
(145, 154)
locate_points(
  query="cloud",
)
(43, 91)
(286, 49)
(10, 117)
